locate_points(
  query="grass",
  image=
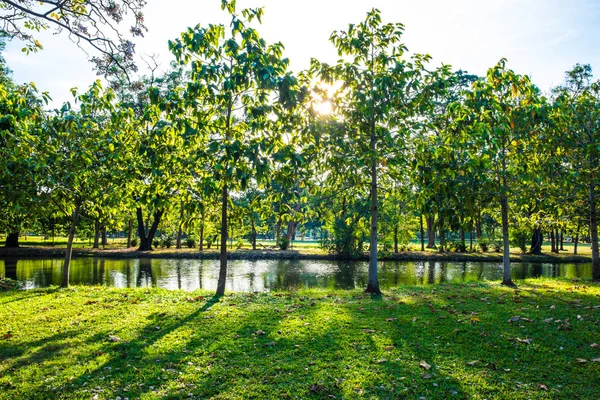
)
(444, 341)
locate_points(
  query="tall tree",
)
(378, 95)
(235, 79)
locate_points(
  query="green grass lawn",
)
(437, 342)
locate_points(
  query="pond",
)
(265, 275)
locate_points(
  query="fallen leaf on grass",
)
(548, 320)
(317, 388)
(114, 338)
(542, 386)
(471, 363)
(595, 360)
(369, 330)
(270, 344)
(259, 332)
(518, 340)
(514, 319)
(391, 319)
(475, 320)
(6, 336)
(389, 348)
(595, 345)
(426, 376)
(88, 302)
(424, 364)
(381, 361)
(581, 360)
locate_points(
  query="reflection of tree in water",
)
(98, 267)
(251, 275)
(200, 272)
(178, 271)
(128, 281)
(145, 277)
(287, 275)
(536, 270)
(10, 268)
(346, 275)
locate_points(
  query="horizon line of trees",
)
(229, 141)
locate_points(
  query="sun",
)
(323, 94)
(324, 107)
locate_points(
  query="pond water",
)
(263, 275)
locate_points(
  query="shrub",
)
(239, 244)
(190, 242)
(167, 241)
(520, 238)
(483, 244)
(134, 242)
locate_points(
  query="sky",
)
(540, 38)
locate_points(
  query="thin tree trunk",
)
(442, 233)
(68, 253)
(253, 235)
(395, 239)
(277, 232)
(422, 233)
(552, 241)
(129, 232)
(96, 234)
(373, 283)
(506, 278)
(223, 254)
(594, 233)
(104, 239)
(562, 239)
(202, 233)
(12, 239)
(180, 230)
(462, 240)
(576, 238)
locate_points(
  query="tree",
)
(93, 22)
(578, 115)
(234, 73)
(502, 112)
(75, 152)
(379, 94)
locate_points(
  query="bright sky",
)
(541, 38)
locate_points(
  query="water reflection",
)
(261, 275)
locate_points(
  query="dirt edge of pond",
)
(50, 252)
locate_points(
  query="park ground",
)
(477, 340)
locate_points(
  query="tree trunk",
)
(277, 232)
(253, 235)
(202, 234)
(506, 278)
(12, 239)
(552, 241)
(67, 264)
(395, 239)
(373, 283)
(478, 230)
(96, 234)
(430, 231)
(442, 234)
(536, 242)
(576, 239)
(462, 240)
(594, 233)
(129, 232)
(104, 239)
(471, 239)
(180, 230)
(422, 233)
(146, 239)
(223, 254)
(562, 239)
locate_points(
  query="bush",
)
(134, 242)
(520, 238)
(167, 241)
(190, 242)
(497, 246)
(456, 247)
(7, 284)
(483, 244)
(156, 243)
(284, 244)
(239, 244)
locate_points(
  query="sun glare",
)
(324, 107)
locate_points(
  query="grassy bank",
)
(445, 341)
